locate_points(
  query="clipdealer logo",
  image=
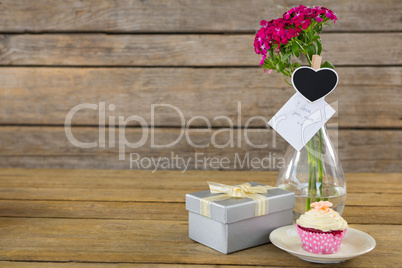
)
(238, 136)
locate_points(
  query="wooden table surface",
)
(113, 218)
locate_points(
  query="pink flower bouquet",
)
(296, 32)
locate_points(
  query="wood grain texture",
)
(363, 189)
(115, 234)
(47, 147)
(117, 265)
(42, 264)
(107, 218)
(131, 241)
(365, 97)
(184, 50)
(189, 34)
(165, 211)
(183, 16)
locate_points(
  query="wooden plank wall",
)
(197, 55)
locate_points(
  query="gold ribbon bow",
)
(244, 190)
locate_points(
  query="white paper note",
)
(299, 120)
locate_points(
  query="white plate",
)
(355, 243)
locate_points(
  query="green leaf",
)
(311, 50)
(310, 35)
(295, 49)
(319, 47)
(297, 65)
(286, 56)
(280, 66)
(327, 64)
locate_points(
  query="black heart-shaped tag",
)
(314, 84)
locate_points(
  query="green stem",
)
(317, 198)
(284, 78)
(314, 164)
(320, 167)
(290, 65)
(308, 59)
(286, 72)
(308, 200)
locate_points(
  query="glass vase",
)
(313, 174)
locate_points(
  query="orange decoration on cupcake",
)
(321, 205)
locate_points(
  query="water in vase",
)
(333, 194)
(314, 173)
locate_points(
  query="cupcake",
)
(321, 229)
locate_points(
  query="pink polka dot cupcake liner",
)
(320, 243)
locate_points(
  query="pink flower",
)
(277, 48)
(262, 60)
(306, 23)
(265, 23)
(277, 39)
(301, 7)
(291, 33)
(317, 11)
(278, 22)
(268, 71)
(287, 15)
(330, 15)
(281, 30)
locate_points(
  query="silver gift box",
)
(233, 225)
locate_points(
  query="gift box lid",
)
(237, 209)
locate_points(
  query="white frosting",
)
(324, 219)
